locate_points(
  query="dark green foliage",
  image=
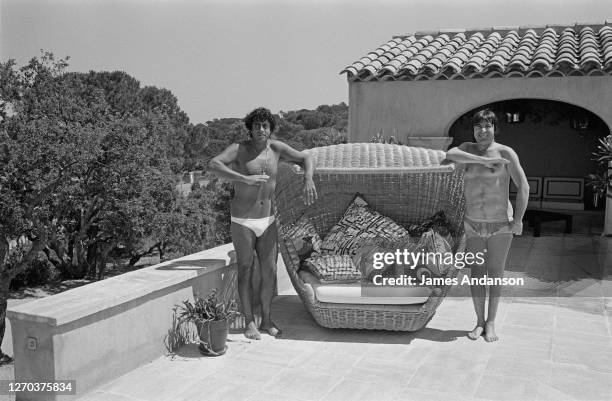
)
(601, 182)
(89, 165)
(380, 138)
(178, 335)
(207, 309)
(301, 129)
(38, 272)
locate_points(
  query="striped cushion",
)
(360, 224)
(333, 268)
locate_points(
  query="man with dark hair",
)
(490, 222)
(252, 166)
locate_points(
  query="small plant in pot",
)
(212, 317)
(601, 182)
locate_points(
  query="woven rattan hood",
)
(377, 156)
(404, 183)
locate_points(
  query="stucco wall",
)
(97, 332)
(429, 108)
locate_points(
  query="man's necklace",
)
(265, 168)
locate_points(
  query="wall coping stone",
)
(87, 300)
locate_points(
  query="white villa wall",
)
(429, 108)
(408, 109)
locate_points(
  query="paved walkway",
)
(556, 344)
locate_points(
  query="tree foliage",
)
(301, 129)
(89, 166)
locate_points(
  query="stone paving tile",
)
(582, 304)
(146, 383)
(386, 352)
(466, 368)
(568, 338)
(582, 352)
(595, 325)
(304, 384)
(217, 390)
(412, 394)
(530, 318)
(547, 393)
(376, 370)
(278, 354)
(329, 362)
(523, 296)
(500, 387)
(376, 373)
(267, 396)
(578, 384)
(519, 368)
(354, 390)
(349, 348)
(595, 314)
(104, 396)
(254, 372)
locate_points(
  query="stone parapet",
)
(95, 333)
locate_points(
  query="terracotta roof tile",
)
(526, 51)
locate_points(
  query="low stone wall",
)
(97, 332)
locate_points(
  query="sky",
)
(223, 58)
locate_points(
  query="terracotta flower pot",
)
(213, 337)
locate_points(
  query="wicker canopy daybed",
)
(404, 183)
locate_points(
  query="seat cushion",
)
(359, 225)
(352, 293)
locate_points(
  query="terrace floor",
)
(555, 344)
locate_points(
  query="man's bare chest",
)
(253, 163)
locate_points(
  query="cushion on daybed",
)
(352, 293)
(303, 237)
(333, 268)
(359, 225)
(430, 242)
(433, 242)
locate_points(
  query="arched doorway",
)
(552, 138)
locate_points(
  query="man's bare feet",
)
(271, 329)
(252, 332)
(489, 333)
(5, 359)
(477, 332)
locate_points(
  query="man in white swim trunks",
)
(489, 220)
(252, 166)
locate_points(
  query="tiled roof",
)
(531, 51)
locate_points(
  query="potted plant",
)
(601, 182)
(212, 317)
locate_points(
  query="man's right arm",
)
(460, 155)
(220, 166)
